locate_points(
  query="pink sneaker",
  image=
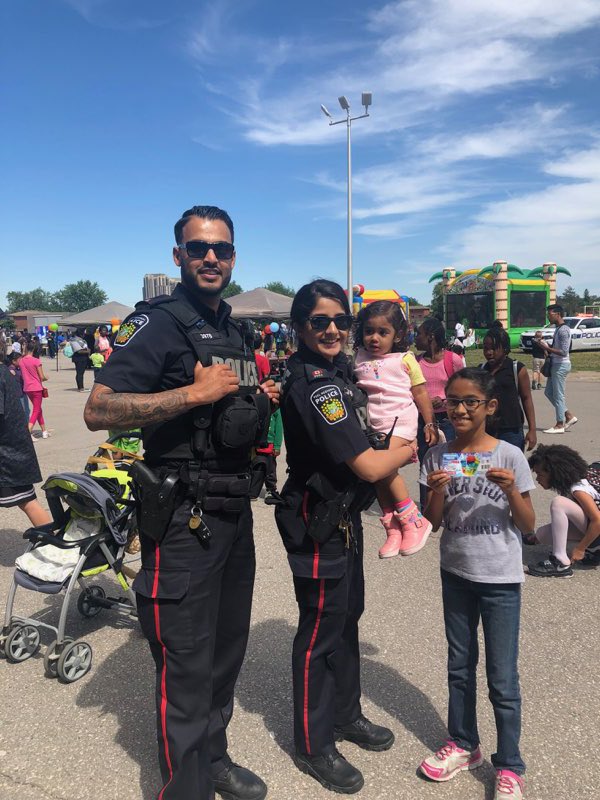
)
(508, 785)
(449, 760)
(393, 543)
(415, 530)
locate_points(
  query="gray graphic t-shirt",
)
(480, 541)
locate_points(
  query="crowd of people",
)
(200, 386)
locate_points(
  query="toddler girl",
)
(395, 387)
(574, 513)
(479, 487)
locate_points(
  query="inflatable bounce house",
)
(364, 296)
(516, 297)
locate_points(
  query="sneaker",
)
(508, 784)
(551, 568)
(570, 422)
(393, 543)
(415, 531)
(45, 435)
(554, 429)
(332, 771)
(449, 760)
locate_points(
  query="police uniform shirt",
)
(321, 426)
(152, 354)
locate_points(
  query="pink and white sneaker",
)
(415, 530)
(509, 786)
(393, 531)
(449, 760)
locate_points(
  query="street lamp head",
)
(367, 99)
(344, 103)
(324, 110)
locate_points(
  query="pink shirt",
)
(437, 375)
(387, 381)
(29, 370)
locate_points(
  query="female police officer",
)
(327, 452)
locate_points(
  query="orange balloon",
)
(114, 321)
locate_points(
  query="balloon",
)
(53, 326)
(114, 321)
(274, 327)
(358, 289)
(267, 329)
(115, 328)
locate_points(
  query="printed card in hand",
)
(466, 465)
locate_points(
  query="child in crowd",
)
(538, 355)
(33, 379)
(513, 388)
(574, 513)
(396, 388)
(97, 359)
(271, 453)
(13, 361)
(459, 350)
(479, 487)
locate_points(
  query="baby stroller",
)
(91, 518)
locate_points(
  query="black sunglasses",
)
(320, 322)
(198, 249)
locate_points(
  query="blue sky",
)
(483, 142)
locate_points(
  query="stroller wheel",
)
(22, 643)
(85, 602)
(74, 662)
(51, 659)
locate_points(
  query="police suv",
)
(585, 334)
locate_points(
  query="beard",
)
(207, 291)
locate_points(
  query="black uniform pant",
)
(325, 657)
(194, 604)
(271, 473)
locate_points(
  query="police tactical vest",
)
(192, 436)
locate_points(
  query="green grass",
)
(581, 362)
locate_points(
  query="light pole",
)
(366, 102)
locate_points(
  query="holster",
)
(156, 499)
(329, 510)
(225, 493)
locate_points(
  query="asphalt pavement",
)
(95, 739)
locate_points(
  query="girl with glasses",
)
(479, 487)
(397, 394)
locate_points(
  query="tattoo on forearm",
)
(116, 410)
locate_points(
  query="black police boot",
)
(365, 734)
(238, 783)
(332, 771)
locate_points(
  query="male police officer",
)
(181, 371)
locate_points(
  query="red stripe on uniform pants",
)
(307, 661)
(315, 571)
(163, 677)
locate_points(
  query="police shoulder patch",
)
(329, 403)
(129, 328)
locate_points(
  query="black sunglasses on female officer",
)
(320, 322)
(197, 248)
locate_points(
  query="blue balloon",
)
(274, 327)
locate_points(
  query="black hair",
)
(12, 356)
(497, 323)
(563, 465)
(480, 377)
(307, 297)
(556, 307)
(500, 338)
(433, 327)
(80, 332)
(205, 212)
(257, 341)
(393, 313)
(458, 349)
(34, 348)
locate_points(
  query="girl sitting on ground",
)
(396, 390)
(574, 512)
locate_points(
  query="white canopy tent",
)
(97, 316)
(260, 304)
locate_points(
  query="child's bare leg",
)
(37, 515)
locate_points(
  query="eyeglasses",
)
(320, 322)
(197, 248)
(470, 403)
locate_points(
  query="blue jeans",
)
(513, 436)
(445, 426)
(499, 606)
(555, 389)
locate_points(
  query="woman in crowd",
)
(80, 357)
(514, 391)
(328, 456)
(574, 512)
(33, 380)
(437, 365)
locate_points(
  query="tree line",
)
(71, 298)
